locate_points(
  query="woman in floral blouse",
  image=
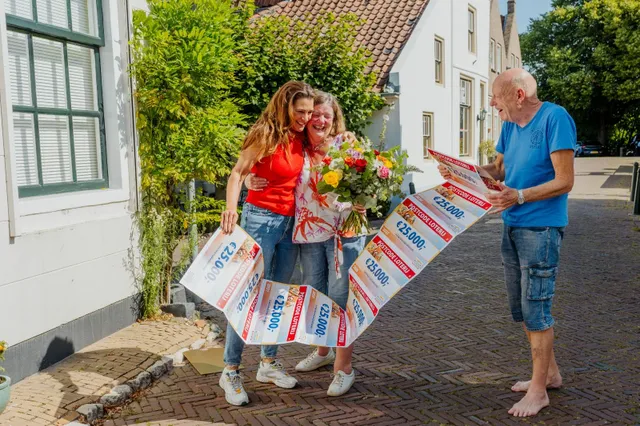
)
(326, 254)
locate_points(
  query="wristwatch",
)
(521, 199)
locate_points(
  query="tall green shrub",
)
(185, 62)
(323, 52)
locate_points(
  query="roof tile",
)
(388, 24)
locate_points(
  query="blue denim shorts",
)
(530, 257)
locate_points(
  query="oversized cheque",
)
(228, 272)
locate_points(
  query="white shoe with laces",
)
(274, 373)
(231, 383)
(341, 383)
(313, 361)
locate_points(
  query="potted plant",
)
(5, 381)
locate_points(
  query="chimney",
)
(511, 6)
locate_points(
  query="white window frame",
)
(471, 29)
(438, 61)
(492, 54)
(427, 134)
(498, 58)
(27, 215)
(466, 112)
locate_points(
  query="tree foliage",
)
(190, 126)
(586, 56)
(204, 71)
(322, 51)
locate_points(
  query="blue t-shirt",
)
(527, 163)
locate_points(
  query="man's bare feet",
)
(553, 382)
(530, 405)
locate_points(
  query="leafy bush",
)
(323, 52)
(190, 126)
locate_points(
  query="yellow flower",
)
(358, 149)
(332, 178)
(388, 164)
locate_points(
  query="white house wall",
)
(420, 93)
(70, 256)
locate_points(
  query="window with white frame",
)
(427, 133)
(517, 62)
(465, 117)
(513, 60)
(499, 58)
(492, 54)
(438, 54)
(471, 17)
(56, 94)
(496, 125)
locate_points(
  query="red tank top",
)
(282, 174)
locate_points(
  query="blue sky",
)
(525, 10)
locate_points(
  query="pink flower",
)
(383, 172)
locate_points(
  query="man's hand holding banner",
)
(228, 272)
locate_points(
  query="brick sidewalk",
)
(52, 396)
(444, 350)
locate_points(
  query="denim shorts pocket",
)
(542, 283)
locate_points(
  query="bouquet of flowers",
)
(359, 174)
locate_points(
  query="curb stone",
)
(123, 393)
(91, 412)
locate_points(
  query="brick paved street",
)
(446, 351)
(53, 395)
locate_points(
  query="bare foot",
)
(554, 382)
(530, 405)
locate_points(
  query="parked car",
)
(588, 149)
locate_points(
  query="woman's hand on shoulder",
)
(255, 183)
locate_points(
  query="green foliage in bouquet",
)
(361, 175)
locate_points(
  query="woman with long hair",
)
(319, 218)
(273, 149)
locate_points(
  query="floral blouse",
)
(319, 217)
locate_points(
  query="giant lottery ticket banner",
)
(228, 272)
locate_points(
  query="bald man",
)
(535, 165)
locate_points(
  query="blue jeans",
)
(318, 267)
(274, 234)
(530, 257)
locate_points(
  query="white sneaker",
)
(341, 383)
(231, 383)
(313, 361)
(274, 373)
